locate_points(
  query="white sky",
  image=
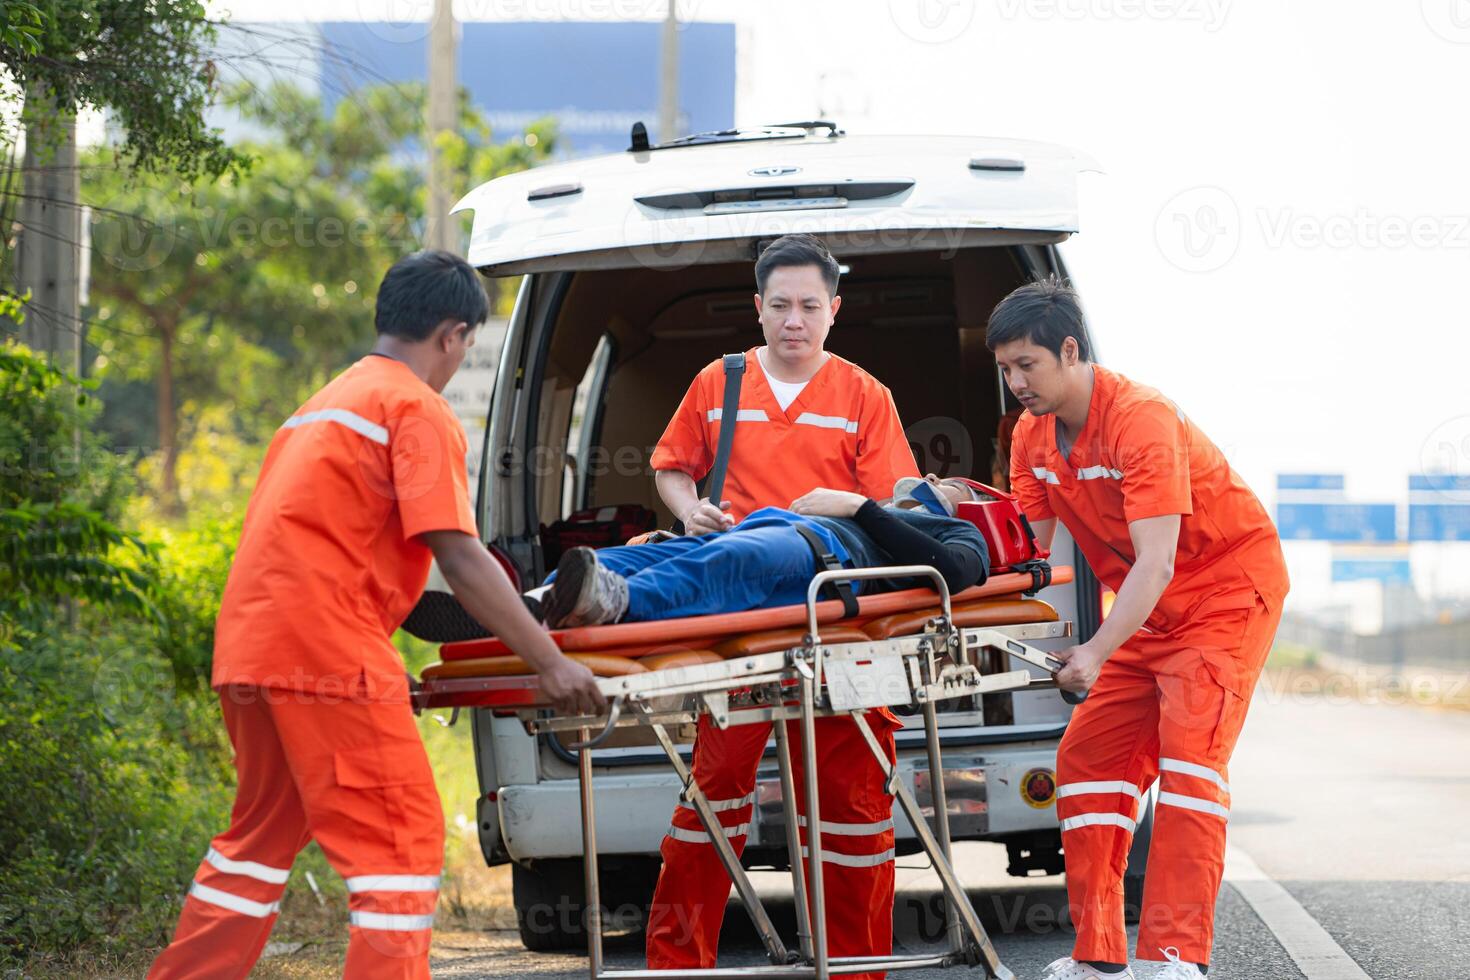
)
(1281, 241)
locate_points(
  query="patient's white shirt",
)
(786, 392)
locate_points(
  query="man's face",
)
(795, 312)
(452, 341)
(1037, 377)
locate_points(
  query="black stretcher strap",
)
(826, 562)
(729, 413)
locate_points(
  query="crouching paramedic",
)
(1200, 579)
(359, 489)
(806, 419)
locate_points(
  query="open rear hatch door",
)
(673, 207)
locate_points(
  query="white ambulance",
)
(635, 270)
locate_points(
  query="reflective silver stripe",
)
(700, 837)
(741, 415)
(1098, 786)
(1099, 820)
(390, 923)
(721, 805)
(1194, 803)
(854, 860)
(1042, 473)
(260, 872)
(341, 416)
(393, 883)
(1192, 769)
(235, 903)
(826, 421)
(851, 829)
(1099, 473)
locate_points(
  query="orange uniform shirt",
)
(841, 432)
(1138, 456)
(329, 561)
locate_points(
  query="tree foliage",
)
(231, 300)
(147, 61)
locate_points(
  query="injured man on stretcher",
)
(769, 558)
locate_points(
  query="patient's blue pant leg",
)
(731, 572)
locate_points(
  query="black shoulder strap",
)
(826, 561)
(729, 413)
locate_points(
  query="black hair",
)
(426, 288)
(794, 250)
(1045, 312)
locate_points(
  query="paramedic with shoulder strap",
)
(1200, 579)
(359, 489)
(805, 418)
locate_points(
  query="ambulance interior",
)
(627, 343)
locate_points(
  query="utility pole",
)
(441, 231)
(48, 259)
(668, 89)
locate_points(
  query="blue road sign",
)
(1439, 507)
(1336, 522)
(1390, 571)
(1309, 481)
(595, 79)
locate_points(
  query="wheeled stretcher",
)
(794, 663)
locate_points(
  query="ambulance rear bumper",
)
(993, 791)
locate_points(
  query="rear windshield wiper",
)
(779, 131)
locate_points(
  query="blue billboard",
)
(1439, 507)
(595, 79)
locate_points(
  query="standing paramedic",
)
(807, 419)
(1200, 578)
(361, 487)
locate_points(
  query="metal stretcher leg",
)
(939, 854)
(814, 823)
(775, 949)
(593, 909)
(793, 843)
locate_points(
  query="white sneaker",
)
(1067, 968)
(1174, 968)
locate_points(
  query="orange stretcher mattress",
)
(667, 637)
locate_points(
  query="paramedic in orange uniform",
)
(807, 419)
(360, 488)
(1200, 578)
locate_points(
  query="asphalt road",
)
(1350, 842)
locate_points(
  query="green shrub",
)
(108, 807)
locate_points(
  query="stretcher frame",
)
(898, 670)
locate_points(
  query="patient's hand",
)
(822, 502)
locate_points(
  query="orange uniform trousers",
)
(857, 840)
(353, 775)
(1167, 706)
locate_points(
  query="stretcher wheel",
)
(1004, 611)
(769, 641)
(600, 664)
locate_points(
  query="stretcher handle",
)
(1071, 697)
(613, 711)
